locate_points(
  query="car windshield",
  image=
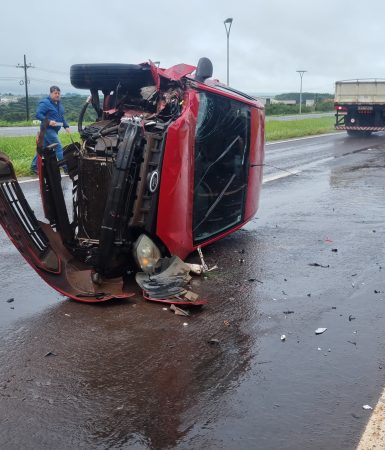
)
(220, 175)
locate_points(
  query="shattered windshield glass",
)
(221, 161)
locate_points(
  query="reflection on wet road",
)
(128, 374)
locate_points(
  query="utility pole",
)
(25, 82)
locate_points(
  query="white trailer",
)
(360, 106)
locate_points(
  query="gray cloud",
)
(269, 41)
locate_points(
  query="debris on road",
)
(10, 300)
(50, 354)
(351, 318)
(213, 341)
(335, 250)
(179, 311)
(288, 312)
(283, 337)
(169, 283)
(196, 269)
(319, 265)
(367, 407)
(320, 330)
(255, 279)
(205, 267)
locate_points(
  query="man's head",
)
(54, 93)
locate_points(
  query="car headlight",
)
(146, 253)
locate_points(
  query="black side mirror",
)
(204, 69)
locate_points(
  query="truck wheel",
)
(105, 77)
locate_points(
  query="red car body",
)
(173, 156)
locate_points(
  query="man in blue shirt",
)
(52, 109)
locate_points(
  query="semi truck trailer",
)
(360, 106)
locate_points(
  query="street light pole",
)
(301, 72)
(228, 22)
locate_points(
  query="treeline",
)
(282, 109)
(16, 111)
(317, 97)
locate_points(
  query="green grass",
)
(22, 149)
(286, 129)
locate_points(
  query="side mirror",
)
(204, 69)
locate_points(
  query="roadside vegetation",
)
(21, 149)
(286, 129)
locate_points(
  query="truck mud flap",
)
(43, 249)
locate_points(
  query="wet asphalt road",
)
(129, 375)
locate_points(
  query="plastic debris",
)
(185, 324)
(50, 354)
(204, 265)
(213, 341)
(288, 312)
(10, 300)
(191, 296)
(319, 265)
(367, 407)
(168, 285)
(335, 250)
(196, 269)
(179, 311)
(283, 337)
(320, 330)
(351, 318)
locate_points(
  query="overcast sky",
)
(269, 40)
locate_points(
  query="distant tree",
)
(305, 96)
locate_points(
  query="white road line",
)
(303, 138)
(295, 170)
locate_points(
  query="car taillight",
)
(342, 109)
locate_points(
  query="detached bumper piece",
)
(43, 248)
(169, 284)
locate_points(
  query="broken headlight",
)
(146, 253)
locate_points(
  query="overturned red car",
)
(172, 162)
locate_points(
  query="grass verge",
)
(21, 149)
(286, 129)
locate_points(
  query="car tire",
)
(106, 77)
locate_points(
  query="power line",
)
(52, 71)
